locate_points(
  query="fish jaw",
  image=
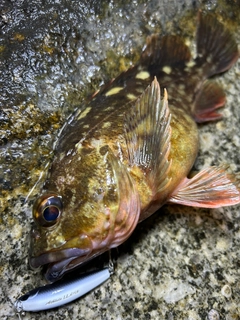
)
(39, 255)
(62, 259)
(84, 229)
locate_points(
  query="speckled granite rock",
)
(182, 263)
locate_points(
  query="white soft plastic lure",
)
(60, 292)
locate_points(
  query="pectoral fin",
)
(148, 133)
(210, 188)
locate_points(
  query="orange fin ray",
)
(148, 134)
(210, 98)
(210, 188)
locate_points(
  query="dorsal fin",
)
(168, 50)
(148, 133)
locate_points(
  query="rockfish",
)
(128, 151)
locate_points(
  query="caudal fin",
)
(216, 48)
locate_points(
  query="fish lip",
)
(58, 263)
(55, 257)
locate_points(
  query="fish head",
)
(89, 205)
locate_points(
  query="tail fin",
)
(217, 50)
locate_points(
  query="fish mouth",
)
(55, 262)
(59, 262)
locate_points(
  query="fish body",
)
(129, 151)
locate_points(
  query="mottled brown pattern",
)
(118, 160)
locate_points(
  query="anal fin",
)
(210, 98)
(210, 188)
(148, 133)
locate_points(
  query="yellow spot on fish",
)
(113, 91)
(78, 146)
(57, 240)
(182, 89)
(167, 69)
(60, 238)
(143, 75)
(131, 96)
(109, 109)
(84, 113)
(188, 42)
(190, 64)
(139, 90)
(106, 125)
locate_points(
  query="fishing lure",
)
(61, 292)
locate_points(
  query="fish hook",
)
(19, 315)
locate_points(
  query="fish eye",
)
(47, 209)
